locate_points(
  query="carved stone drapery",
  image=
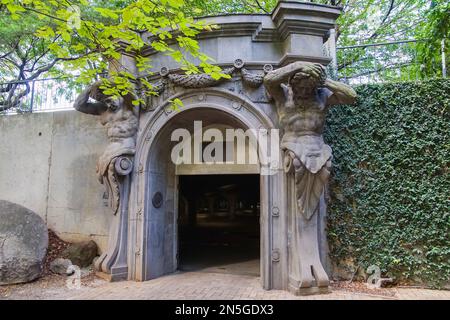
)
(309, 184)
(303, 95)
(114, 260)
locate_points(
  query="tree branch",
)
(13, 99)
(261, 7)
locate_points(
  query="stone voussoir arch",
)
(238, 106)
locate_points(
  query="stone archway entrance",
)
(154, 236)
(270, 61)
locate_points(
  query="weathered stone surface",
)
(81, 254)
(346, 270)
(23, 244)
(291, 201)
(60, 266)
(64, 147)
(115, 164)
(303, 95)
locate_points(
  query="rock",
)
(60, 266)
(23, 244)
(345, 269)
(81, 254)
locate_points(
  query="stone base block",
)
(308, 291)
(103, 275)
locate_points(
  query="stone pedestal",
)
(306, 272)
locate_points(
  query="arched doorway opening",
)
(218, 223)
(154, 235)
(182, 237)
(219, 203)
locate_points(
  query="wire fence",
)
(386, 62)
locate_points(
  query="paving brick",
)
(203, 285)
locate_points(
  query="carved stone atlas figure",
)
(115, 164)
(303, 94)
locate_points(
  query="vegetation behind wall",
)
(389, 196)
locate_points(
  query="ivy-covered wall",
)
(389, 195)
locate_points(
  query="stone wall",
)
(47, 164)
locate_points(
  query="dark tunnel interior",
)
(218, 223)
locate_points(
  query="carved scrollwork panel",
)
(123, 166)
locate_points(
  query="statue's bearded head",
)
(304, 83)
(112, 103)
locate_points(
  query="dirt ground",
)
(49, 287)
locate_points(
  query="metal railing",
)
(41, 95)
(357, 64)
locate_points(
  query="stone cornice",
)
(289, 58)
(288, 17)
(260, 27)
(304, 18)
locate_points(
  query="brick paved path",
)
(203, 285)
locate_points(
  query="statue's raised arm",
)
(276, 81)
(114, 166)
(302, 79)
(83, 104)
(340, 93)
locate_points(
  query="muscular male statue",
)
(114, 167)
(303, 95)
(120, 118)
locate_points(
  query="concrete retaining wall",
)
(47, 164)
